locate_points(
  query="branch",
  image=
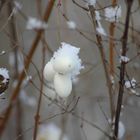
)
(102, 54)
(111, 43)
(37, 116)
(122, 69)
(77, 4)
(27, 63)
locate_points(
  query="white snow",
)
(131, 83)
(112, 14)
(34, 23)
(121, 130)
(112, 79)
(97, 15)
(124, 59)
(91, 2)
(71, 24)
(5, 73)
(100, 29)
(50, 132)
(2, 52)
(66, 60)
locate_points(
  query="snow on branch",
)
(71, 24)
(34, 23)
(124, 59)
(113, 14)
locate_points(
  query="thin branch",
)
(122, 69)
(37, 116)
(27, 63)
(77, 4)
(111, 43)
(102, 54)
(14, 38)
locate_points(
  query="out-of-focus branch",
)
(111, 43)
(37, 116)
(122, 69)
(77, 4)
(102, 54)
(14, 38)
(27, 63)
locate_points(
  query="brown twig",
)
(122, 69)
(111, 43)
(77, 4)
(14, 37)
(27, 63)
(102, 54)
(37, 116)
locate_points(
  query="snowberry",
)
(63, 85)
(49, 72)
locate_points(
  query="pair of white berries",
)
(62, 68)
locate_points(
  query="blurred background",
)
(88, 103)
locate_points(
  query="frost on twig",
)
(34, 23)
(131, 86)
(131, 83)
(124, 59)
(64, 66)
(4, 79)
(71, 24)
(50, 132)
(99, 27)
(113, 14)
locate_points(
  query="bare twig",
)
(27, 63)
(14, 38)
(76, 3)
(102, 54)
(122, 69)
(111, 43)
(37, 116)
